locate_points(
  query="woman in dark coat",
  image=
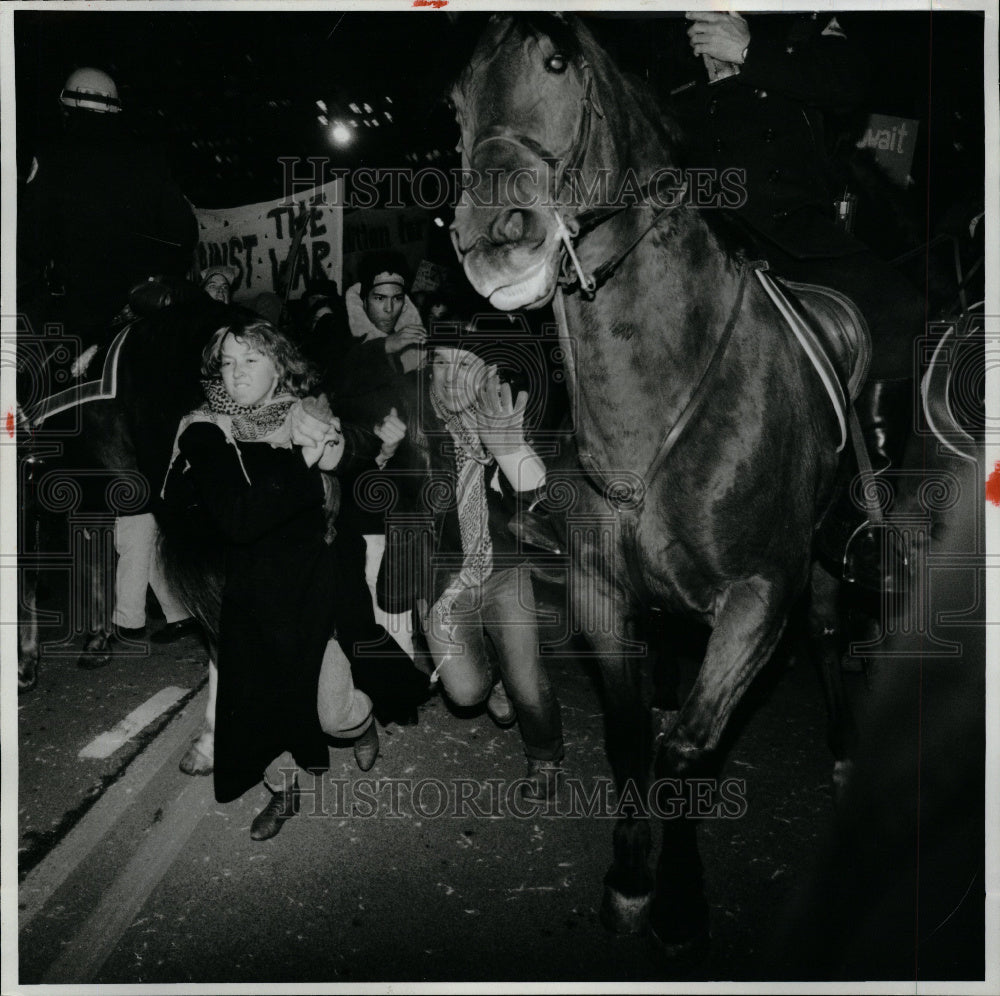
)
(253, 457)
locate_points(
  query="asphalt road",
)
(133, 874)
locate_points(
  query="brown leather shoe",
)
(281, 807)
(366, 748)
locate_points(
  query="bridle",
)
(570, 228)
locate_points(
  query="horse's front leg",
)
(749, 621)
(628, 885)
(94, 571)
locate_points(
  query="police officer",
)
(768, 84)
(99, 212)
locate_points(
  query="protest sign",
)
(256, 240)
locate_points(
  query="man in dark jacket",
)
(768, 82)
(379, 339)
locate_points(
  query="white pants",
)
(138, 568)
(398, 625)
(343, 711)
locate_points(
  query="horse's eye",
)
(556, 63)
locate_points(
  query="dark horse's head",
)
(541, 108)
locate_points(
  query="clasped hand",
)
(718, 35)
(317, 430)
(500, 420)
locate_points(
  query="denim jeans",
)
(504, 610)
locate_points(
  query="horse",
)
(101, 448)
(709, 443)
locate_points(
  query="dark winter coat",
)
(769, 121)
(367, 383)
(278, 603)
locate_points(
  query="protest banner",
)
(256, 240)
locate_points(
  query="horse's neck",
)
(637, 350)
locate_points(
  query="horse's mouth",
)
(532, 290)
(508, 288)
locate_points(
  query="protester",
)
(217, 282)
(466, 442)
(254, 456)
(367, 379)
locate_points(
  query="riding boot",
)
(873, 558)
(885, 414)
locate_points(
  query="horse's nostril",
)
(509, 226)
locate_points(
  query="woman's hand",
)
(317, 430)
(333, 449)
(392, 431)
(500, 420)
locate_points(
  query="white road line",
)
(107, 743)
(45, 878)
(90, 947)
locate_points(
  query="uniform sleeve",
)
(824, 63)
(246, 512)
(362, 369)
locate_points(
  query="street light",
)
(340, 134)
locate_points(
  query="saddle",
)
(833, 333)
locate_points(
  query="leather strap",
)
(872, 505)
(629, 503)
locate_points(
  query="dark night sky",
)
(248, 83)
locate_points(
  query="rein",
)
(585, 223)
(628, 499)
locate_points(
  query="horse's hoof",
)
(843, 774)
(680, 930)
(621, 914)
(196, 761)
(687, 950)
(27, 676)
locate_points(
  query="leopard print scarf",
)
(249, 424)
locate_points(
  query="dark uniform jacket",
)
(769, 121)
(104, 209)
